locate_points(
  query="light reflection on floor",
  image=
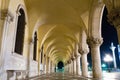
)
(111, 76)
(66, 76)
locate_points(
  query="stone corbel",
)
(10, 17)
(3, 14)
(94, 41)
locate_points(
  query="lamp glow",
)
(108, 58)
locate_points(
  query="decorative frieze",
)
(94, 41)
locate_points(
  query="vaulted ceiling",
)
(59, 24)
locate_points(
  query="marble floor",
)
(66, 76)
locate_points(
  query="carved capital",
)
(68, 62)
(72, 58)
(94, 41)
(83, 51)
(114, 17)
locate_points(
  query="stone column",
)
(30, 47)
(78, 67)
(74, 65)
(53, 67)
(50, 66)
(71, 67)
(112, 47)
(94, 44)
(47, 65)
(84, 63)
(68, 66)
(77, 55)
(43, 62)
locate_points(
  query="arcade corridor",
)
(41, 37)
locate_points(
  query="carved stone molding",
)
(114, 17)
(94, 41)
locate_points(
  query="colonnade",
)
(75, 66)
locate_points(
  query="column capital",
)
(114, 17)
(83, 51)
(72, 58)
(94, 41)
(78, 55)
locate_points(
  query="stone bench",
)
(17, 74)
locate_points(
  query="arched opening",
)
(20, 32)
(109, 35)
(35, 46)
(60, 66)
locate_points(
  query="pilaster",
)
(5, 19)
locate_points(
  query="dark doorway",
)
(60, 65)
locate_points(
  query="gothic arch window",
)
(20, 32)
(35, 46)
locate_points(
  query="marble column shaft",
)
(47, 65)
(84, 65)
(95, 43)
(74, 64)
(78, 67)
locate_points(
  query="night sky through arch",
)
(109, 35)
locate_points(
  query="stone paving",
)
(60, 76)
(66, 76)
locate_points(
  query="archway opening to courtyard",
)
(60, 66)
(109, 35)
